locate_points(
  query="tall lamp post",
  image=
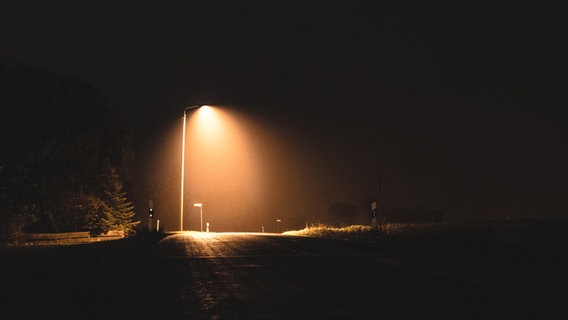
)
(183, 163)
(200, 205)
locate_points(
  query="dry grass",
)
(482, 236)
(323, 231)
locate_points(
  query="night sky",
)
(452, 107)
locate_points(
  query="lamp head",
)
(190, 108)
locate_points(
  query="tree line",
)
(65, 156)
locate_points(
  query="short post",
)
(150, 215)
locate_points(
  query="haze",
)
(245, 174)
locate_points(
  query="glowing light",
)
(208, 127)
(204, 236)
(222, 168)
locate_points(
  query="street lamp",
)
(183, 162)
(200, 213)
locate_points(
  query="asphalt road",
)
(273, 276)
(270, 276)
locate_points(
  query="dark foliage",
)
(54, 140)
(118, 212)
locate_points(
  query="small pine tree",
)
(118, 213)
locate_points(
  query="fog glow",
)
(249, 174)
(222, 172)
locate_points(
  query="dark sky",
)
(452, 106)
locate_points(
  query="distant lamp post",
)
(183, 163)
(200, 214)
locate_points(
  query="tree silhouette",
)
(55, 138)
(118, 213)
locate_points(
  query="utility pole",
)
(377, 214)
(380, 213)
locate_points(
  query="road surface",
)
(272, 276)
(197, 275)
